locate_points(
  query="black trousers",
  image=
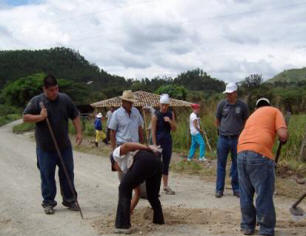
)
(147, 167)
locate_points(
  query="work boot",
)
(236, 194)
(49, 210)
(96, 143)
(71, 206)
(248, 231)
(219, 194)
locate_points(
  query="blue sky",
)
(19, 2)
(229, 39)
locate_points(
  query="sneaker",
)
(248, 231)
(189, 159)
(202, 159)
(123, 231)
(49, 210)
(219, 194)
(236, 194)
(71, 206)
(169, 191)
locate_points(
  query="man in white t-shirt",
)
(195, 131)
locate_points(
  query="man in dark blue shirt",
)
(58, 108)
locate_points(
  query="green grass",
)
(5, 119)
(23, 127)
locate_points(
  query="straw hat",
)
(128, 95)
(99, 115)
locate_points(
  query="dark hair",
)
(262, 103)
(50, 81)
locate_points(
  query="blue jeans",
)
(195, 141)
(257, 175)
(224, 146)
(47, 162)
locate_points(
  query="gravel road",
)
(193, 211)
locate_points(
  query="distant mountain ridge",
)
(290, 76)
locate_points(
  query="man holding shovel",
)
(57, 108)
(256, 167)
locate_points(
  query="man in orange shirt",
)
(256, 167)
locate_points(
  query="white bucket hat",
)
(99, 115)
(230, 88)
(164, 99)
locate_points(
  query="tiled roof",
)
(143, 99)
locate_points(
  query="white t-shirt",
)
(124, 161)
(193, 117)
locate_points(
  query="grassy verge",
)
(23, 127)
(5, 119)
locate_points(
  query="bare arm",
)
(77, 125)
(113, 138)
(36, 118)
(140, 134)
(196, 125)
(217, 123)
(130, 147)
(282, 134)
(154, 122)
(135, 198)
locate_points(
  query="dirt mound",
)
(217, 221)
(142, 219)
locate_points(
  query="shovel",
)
(295, 210)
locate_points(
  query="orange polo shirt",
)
(259, 131)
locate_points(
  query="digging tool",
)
(295, 210)
(287, 118)
(207, 141)
(62, 161)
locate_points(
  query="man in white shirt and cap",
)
(230, 119)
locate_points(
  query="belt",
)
(230, 136)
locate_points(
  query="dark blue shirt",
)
(59, 111)
(163, 128)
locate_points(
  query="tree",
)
(174, 91)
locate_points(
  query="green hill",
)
(290, 76)
(62, 62)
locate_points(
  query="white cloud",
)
(227, 38)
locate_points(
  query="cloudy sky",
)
(229, 39)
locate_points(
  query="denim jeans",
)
(224, 146)
(195, 141)
(257, 175)
(47, 162)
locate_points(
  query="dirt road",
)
(193, 211)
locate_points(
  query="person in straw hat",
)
(126, 126)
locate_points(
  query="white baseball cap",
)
(230, 88)
(164, 99)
